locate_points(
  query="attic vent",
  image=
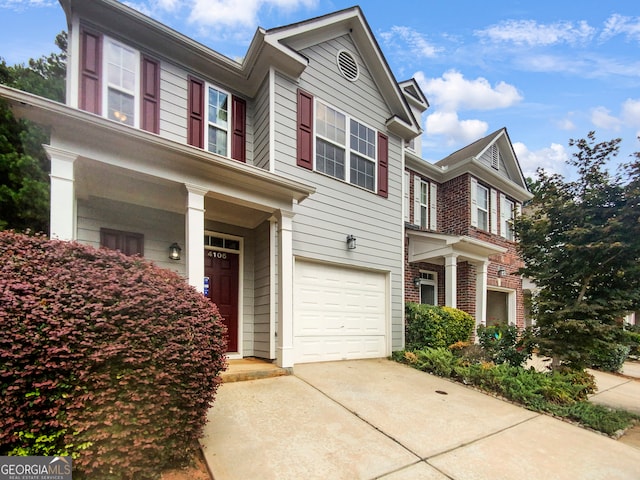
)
(495, 157)
(348, 65)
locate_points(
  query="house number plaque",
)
(221, 255)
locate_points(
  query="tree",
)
(580, 241)
(24, 166)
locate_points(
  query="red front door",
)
(222, 268)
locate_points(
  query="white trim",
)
(346, 147)
(208, 86)
(433, 283)
(511, 302)
(433, 206)
(416, 199)
(272, 120)
(493, 209)
(406, 198)
(474, 202)
(135, 92)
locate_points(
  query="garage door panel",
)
(339, 313)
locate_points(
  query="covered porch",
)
(465, 263)
(145, 192)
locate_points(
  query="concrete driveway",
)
(370, 419)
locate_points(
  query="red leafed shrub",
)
(104, 357)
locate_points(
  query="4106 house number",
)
(221, 255)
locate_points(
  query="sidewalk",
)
(377, 419)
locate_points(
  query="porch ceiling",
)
(434, 247)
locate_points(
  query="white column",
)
(194, 230)
(284, 350)
(63, 197)
(481, 293)
(451, 280)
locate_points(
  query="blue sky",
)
(547, 70)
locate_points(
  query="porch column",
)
(194, 233)
(481, 293)
(63, 197)
(451, 280)
(284, 350)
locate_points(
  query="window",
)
(218, 120)
(425, 203)
(354, 163)
(507, 215)
(428, 287)
(482, 199)
(128, 243)
(118, 82)
(121, 68)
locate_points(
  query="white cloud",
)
(631, 112)
(20, 5)
(228, 13)
(565, 124)
(452, 92)
(620, 25)
(454, 130)
(552, 159)
(531, 33)
(602, 118)
(412, 40)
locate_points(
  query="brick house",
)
(458, 213)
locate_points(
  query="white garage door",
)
(339, 313)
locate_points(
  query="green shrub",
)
(428, 326)
(439, 361)
(609, 358)
(103, 357)
(505, 344)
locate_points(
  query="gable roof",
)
(468, 160)
(414, 94)
(475, 149)
(351, 21)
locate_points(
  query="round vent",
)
(348, 65)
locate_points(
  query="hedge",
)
(435, 327)
(103, 357)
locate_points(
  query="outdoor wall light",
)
(174, 251)
(502, 272)
(351, 242)
(417, 281)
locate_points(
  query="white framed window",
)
(122, 75)
(354, 161)
(218, 103)
(507, 216)
(428, 287)
(424, 204)
(425, 201)
(482, 206)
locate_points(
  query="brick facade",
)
(454, 218)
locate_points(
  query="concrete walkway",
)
(371, 419)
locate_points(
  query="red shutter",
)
(239, 137)
(383, 165)
(305, 130)
(150, 94)
(90, 71)
(195, 122)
